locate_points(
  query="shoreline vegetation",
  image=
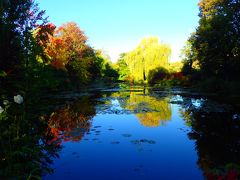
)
(42, 56)
(38, 58)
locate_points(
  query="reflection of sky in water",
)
(119, 147)
(177, 98)
(197, 103)
(115, 105)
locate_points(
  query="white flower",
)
(1, 109)
(18, 99)
(5, 102)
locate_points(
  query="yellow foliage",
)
(175, 66)
(150, 111)
(148, 55)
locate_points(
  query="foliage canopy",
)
(148, 55)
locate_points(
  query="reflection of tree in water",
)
(72, 121)
(26, 151)
(150, 111)
(152, 119)
(217, 136)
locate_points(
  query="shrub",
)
(156, 75)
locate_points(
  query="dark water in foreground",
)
(135, 133)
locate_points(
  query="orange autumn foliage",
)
(68, 42)
(70, 122)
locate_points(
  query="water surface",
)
(137, 133)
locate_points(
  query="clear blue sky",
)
(118, 25)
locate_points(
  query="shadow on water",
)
(26, 147)
(216, 132)
(30, 143)
(31, 138)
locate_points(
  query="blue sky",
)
(118, 25)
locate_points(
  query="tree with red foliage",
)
(68, 49)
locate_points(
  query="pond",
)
(141, 133)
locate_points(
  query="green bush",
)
(157, 75)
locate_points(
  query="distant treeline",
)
(42, 56)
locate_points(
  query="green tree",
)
(157, 75)
(148, 55)
(216, 43)
(17, 21)
(123, 68)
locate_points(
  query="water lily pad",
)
(115, 142)
(126, 135)
(143, 141)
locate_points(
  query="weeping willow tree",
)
(149, 54)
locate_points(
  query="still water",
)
(139, 133)
(121, 133)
